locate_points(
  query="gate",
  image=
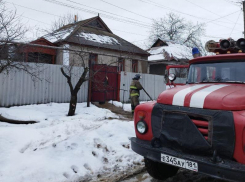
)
(104, 85)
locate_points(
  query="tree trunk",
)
(73, 104)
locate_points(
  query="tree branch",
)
(68, 79)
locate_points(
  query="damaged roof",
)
(92, 32)
(169, 50)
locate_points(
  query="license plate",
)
(193, 166)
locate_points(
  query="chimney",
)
(75, 19)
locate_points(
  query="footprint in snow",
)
(23, 149)
(74, 168)
(74, 145)
(98, 144)
(94, 153)
(86, 166)
(66, 175)
(71, 146)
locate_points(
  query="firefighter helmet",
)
(137, 77)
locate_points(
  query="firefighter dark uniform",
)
(135, 88)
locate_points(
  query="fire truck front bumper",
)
(220, 168)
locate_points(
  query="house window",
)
(135, 66)
(121, 64)
(93, 59)
(36, 57)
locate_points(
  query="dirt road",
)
(181, 176)
(124, 115)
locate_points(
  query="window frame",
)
(121, 64)
(135, 66)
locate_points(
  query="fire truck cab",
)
(199, 126)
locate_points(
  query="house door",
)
(104, 83)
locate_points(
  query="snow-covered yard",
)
(60, 148)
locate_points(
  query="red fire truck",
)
(199, 126)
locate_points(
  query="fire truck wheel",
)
(160, 171)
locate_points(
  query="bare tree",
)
(10, 26)
(68, 72)
(235, 2)
(11, 31)
(80, 67)
(174, 28)
(63, 20)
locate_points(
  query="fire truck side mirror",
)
(240, 43)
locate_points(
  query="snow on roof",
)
(156, 57)
(59, 35)
(99, 38)
(172, 51)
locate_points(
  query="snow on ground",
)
(125, 106)
(17, 114)
(60, 148)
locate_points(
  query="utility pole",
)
(243, 5)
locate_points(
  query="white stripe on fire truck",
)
(198, 98)
(179, 97)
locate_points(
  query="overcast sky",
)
(141, 12)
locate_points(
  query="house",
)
(166, 52)
(96, 41)
(39, 54)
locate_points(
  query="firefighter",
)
(135, 88)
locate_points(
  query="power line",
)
(221, 17)
(72, 2)
(144, 16)
(126, 10)
(206, 9)
(122, 20)
(75, 3)
(168, 8)
(221, 25)
(230, 2)
(61, 17)
(33, 9)
(236, 22)
(128, 32)
(165, 7)
(140, 40)
(103, 11)
(34, 20)
(136, 23)
(95, 12)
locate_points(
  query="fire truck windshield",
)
(232, 72)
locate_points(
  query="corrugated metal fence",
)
(17, 88)
(153, 84)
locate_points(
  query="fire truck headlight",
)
(141, 127)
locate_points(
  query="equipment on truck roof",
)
(225, 46)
